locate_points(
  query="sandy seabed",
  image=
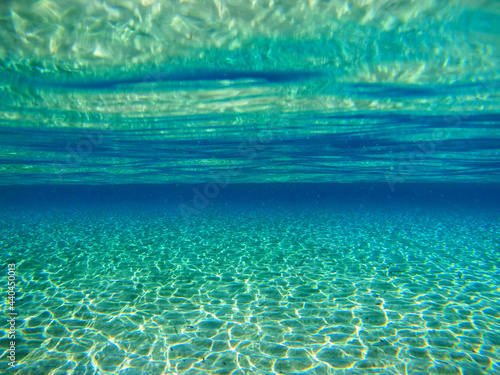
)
(264, 291)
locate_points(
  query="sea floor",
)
(255, 291)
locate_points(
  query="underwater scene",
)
(250, 187)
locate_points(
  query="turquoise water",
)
(262, 187)
(255, 286)
(295, 91)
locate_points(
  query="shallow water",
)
(233, 187)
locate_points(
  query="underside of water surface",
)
(293, 91)
(250, 187)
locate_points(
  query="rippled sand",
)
(256, 292)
